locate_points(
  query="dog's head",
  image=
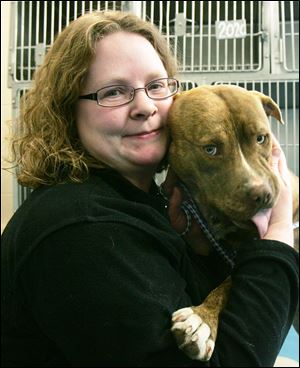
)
(220, 148)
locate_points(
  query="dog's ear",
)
(270, 106)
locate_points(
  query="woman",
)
(92, 268)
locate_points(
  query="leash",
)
(191, 209)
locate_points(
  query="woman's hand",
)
(178, 219)
(280, 225)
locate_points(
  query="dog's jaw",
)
(224, 228)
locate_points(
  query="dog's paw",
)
(192, 334)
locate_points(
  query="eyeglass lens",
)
(120, 94)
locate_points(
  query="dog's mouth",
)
(245, 224)
(230, 215)
(242, 212)
(238, 222)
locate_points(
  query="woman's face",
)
(131, 138)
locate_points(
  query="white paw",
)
(192, 334)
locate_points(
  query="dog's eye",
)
(211, 149)
(261, 139)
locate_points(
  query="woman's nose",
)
(142, 106)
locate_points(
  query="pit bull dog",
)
(220, 149)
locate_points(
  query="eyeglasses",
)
(118, 95)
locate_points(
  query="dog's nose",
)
(260, 194)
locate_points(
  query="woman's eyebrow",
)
(124, 81)
(109, 82)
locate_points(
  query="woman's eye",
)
(112, 92)
(261, 139)
(211, 149)
(155, 86)
(116, 92)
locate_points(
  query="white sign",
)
(231, 29)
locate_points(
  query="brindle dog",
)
(220, 148)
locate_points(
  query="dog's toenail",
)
(195, 338)
(188, 330)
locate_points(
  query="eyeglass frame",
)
(94, 96)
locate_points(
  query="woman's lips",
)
(145, 135)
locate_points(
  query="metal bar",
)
(161, 16)
(193, 36)
(37, 23)
(201, 36)
(22, 41)
(260, 56)
(278, 97)
(175, 35)
(226, 41)
(67, 13)
(152, 12)
(144, 7)
(217, 40)
(251, 35)
(75, 10)
(209, 36)
(168, 23)
(52, 21)
(184, 37)
(292, 35)
(59, 16)
(14, 25)
(45, 24)
(286, 109)
(243, 39)
(234, 40)
(29, 42)
(294, 125)
(285, 36)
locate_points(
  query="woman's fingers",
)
(280, 223)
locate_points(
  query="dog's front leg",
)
(195, 328)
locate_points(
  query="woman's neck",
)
(142, 180)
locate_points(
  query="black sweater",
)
(92, 272)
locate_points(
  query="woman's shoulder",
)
(66, 201)
(94, 209)
(105, 195)
(69, 191)
(51, 207)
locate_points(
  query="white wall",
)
(6, 112)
